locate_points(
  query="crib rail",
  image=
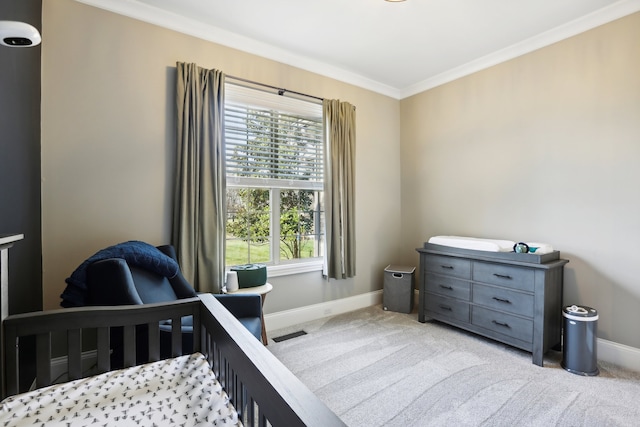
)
(263, 391)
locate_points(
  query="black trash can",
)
(579, 351)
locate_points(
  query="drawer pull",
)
(502, 276)
(445, 307)
(448, 267)
(506, 301)
(446, 287)
(506, 325)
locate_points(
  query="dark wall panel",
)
(20, 202)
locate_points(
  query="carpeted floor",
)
(379, 368)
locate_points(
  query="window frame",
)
(277, 267)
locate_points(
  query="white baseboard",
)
(608, 351)
(619, 354)
(286, 318)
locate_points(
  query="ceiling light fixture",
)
(394, 1)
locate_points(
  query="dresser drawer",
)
(448, 286)
(447, 307)
(505, 324)
(504, 275)
(450, 266)
(503, 299)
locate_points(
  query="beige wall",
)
(108, 141)
(545, 147)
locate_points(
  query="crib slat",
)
(197, 331)
(251, 412)
(74, 349)
(176, 336)
(231, 386)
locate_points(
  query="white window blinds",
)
(272, 137)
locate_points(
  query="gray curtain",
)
(339, 189)
(199, 194)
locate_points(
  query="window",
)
(274, 161)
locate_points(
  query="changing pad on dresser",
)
(487, 245)
(491, 245)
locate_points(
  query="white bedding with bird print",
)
(182, 391)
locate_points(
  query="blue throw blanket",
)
(135, 253)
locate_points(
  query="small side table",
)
(262, 290)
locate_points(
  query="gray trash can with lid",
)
(397, 294)
(579, 351)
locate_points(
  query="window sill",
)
(295, 268)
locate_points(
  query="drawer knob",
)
(448, 267)
(506, 301)
(502, 276)
(446, 287)
(506, 325)
(445, 307)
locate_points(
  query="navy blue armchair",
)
(113, 281)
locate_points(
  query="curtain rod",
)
(281, 91)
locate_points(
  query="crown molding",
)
(153, 15)
(595, 19)
(169, 20)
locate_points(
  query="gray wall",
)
(20, 159)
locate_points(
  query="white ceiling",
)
(397, 49)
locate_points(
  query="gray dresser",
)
(509, 297)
